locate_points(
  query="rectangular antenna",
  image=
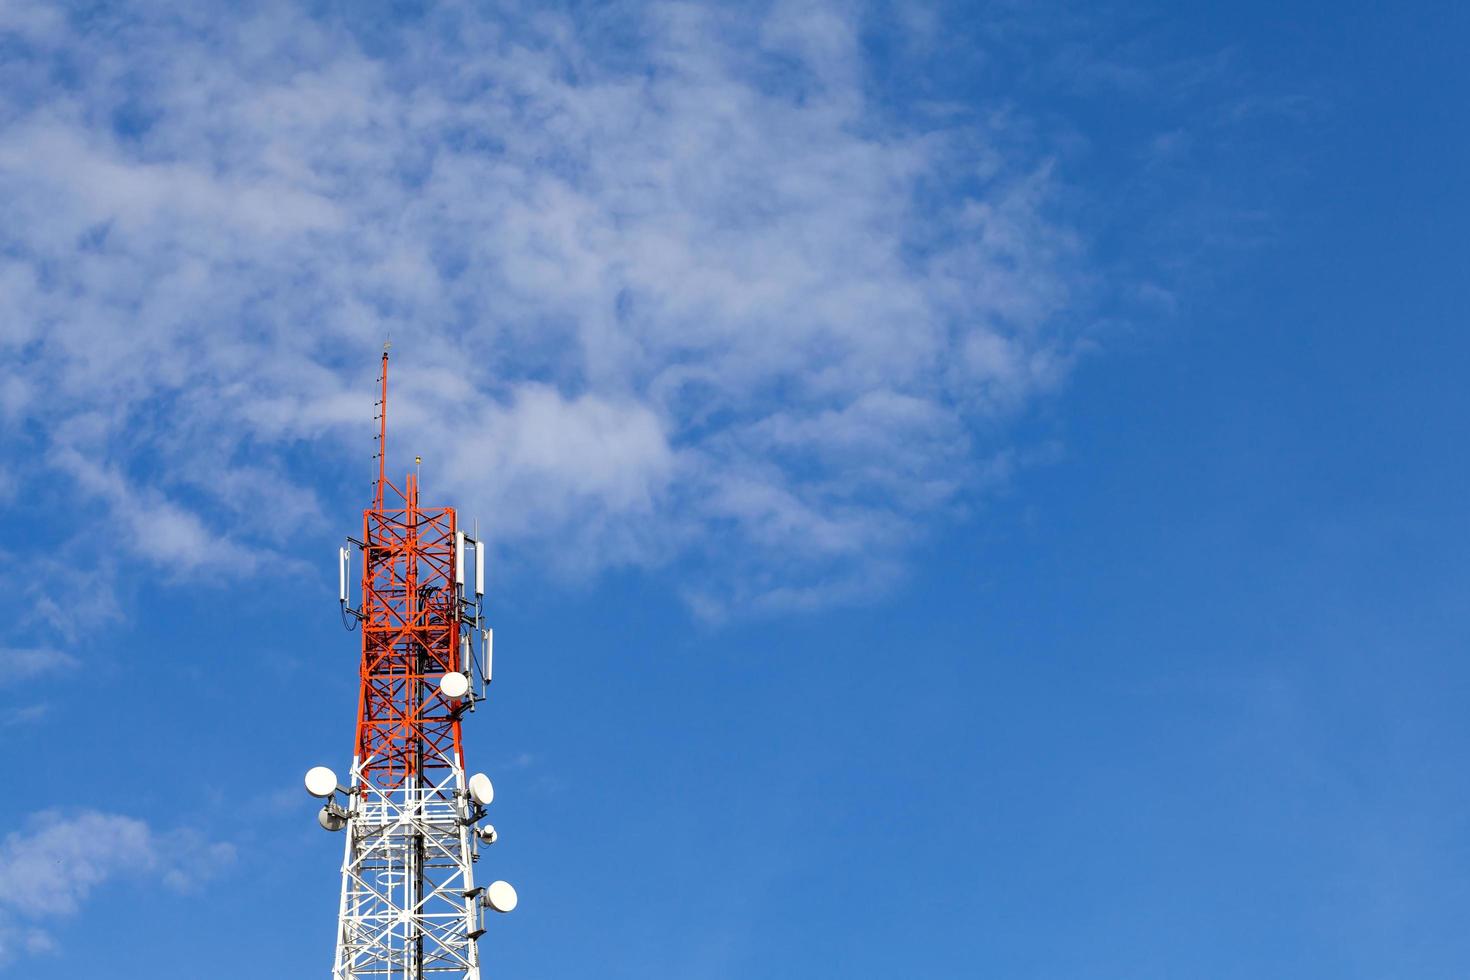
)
(343, 557)
(479, 568)
(488, 643)
(459, 559)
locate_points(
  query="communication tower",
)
(410, 908)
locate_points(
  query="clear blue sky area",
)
(1153, 666)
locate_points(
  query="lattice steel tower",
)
(410, 908)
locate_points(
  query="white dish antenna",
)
(331, 821)
(482, 791)
(487, 833)
(501, 896)
(454, 685)
(321, 782)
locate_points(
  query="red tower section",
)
(406, 728)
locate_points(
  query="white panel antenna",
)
(479, 567)
(344, 560)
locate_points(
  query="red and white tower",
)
(414, 824)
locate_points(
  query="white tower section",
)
(410, 907)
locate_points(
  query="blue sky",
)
(976, 489)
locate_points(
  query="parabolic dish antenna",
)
(321, 782)
(481, 789)
(454, 685)
(501, 896)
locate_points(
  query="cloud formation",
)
(667, 284)
(49, 869)
(25, 663)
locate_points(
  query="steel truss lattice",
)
(409, 903)
(410, 909)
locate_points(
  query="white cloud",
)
(27, 715)
(695, 296)
(49, 869)
(24, 663)
(158, 528)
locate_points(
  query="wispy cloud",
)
(24, 663)
(672, 290)
(10, 717)
(52, 866)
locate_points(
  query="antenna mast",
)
(382, 430)
(409, 904)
